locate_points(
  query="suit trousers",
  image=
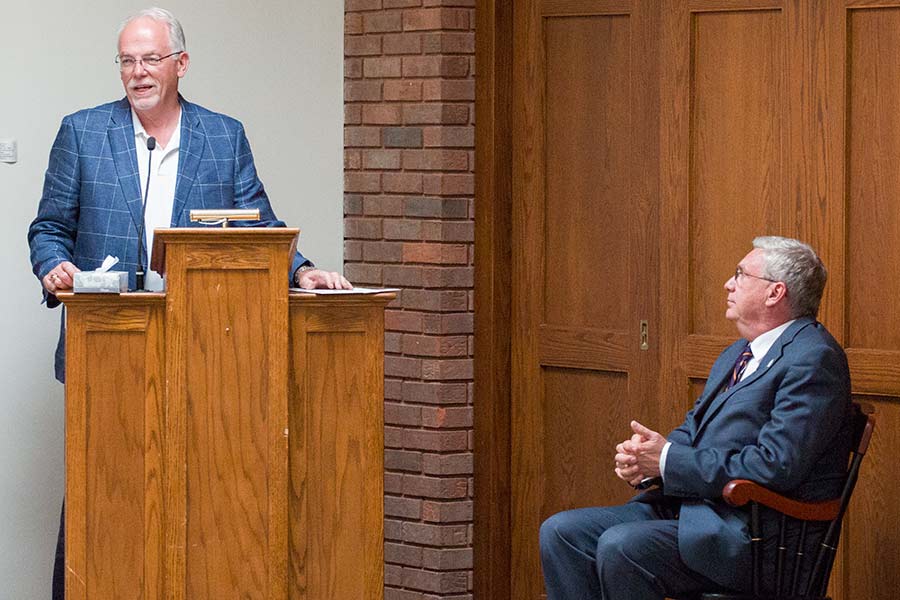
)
(58, 589)
(627, 552)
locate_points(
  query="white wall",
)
(276, 65)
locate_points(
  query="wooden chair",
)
(740, 492)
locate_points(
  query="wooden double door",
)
(628, 153)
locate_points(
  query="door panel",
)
(649, 143)
(579, 421)
(835, 151)
(873, 175)
(584, 249)
(871, 321)
(725, 133)
(735, 143)
(870, 561)
(588, 149)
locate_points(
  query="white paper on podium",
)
(356, 290)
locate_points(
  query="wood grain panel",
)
(760, 127)
(114, 407)
(872, 564)
(672, 413)
(584, 348)
(868, 567)
(556, 8)
(585, 410)
(338, 318)
(493, 328)
(231, 540)
(699, 352)
(696, 389)
(700, 6)
(234, 241)
(584, 223)
(113, 319)
(227, 434)
(817, 55)
(875, 371)
(336, 450)
(114, 446)
(155, 446)
(225, 257)
(337, 470)
(527, 310)
(736, 157)
(127, 454)
(177, 445)
(589, 157)
(674, 134)
(873, 221)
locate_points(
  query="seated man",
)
(775, 410)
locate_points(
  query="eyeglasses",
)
(739, 272)
(127, 63)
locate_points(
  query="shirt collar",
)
(141, 133)
(764, 341)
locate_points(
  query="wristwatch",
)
(301, 270)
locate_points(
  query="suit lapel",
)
(193, 141)
(772, 356)
(718, 378)
(120, 133)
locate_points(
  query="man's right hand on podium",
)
(60, 278)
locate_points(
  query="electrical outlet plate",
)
(9, 152)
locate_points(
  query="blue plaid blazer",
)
(91, 203)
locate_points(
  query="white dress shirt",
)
(759, 347)
(161, 195)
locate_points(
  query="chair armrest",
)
(739, 492)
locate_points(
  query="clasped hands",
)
(637, 458)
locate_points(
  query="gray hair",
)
(176, 33)
(801, 270)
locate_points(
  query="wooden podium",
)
(224, 439)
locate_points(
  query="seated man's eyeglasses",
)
(739, 272)
(126, 63)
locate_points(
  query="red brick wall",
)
(409, 140)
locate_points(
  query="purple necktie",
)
(739, 365)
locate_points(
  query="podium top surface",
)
(218, 235)
(294, 297)
(307, 298)
(181, 234)
(124, 299)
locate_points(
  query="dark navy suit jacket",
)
(91, 204)
(785, 426)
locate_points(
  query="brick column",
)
(409, 141)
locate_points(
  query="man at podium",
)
(151, 154)
(118, 171)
